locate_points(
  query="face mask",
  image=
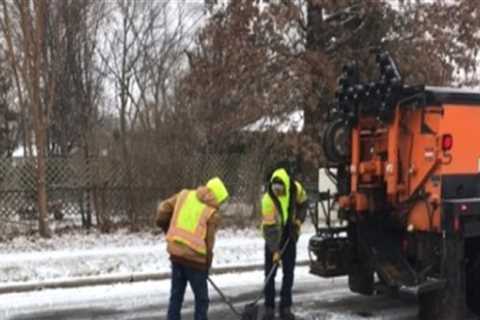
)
(278, 188)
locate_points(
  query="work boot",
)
(269, 314)
(286, 314)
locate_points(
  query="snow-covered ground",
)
(122, 296)
(315, 299)
(82, 254)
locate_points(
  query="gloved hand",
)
(276, 258)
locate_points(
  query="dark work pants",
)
(288, 267)
(198, 282)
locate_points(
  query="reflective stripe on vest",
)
(270, 214)
(189, 222)
(268, 211)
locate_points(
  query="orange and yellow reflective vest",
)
(189, 222)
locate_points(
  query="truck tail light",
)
(447, 142)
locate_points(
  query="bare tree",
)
(162, 54)
(73, 39)
(10, 37)
(9, 134)
(138, 58)
(32, 64)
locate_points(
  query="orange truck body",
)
(408, 192)
(415, 158)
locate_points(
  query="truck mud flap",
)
(383, 247)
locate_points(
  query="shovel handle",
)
(260, 295)
(225, 299)
(271, 273)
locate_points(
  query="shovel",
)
(225, 299)
(250, 311)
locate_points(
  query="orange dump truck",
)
(406, 163)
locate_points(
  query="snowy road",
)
(316, 299)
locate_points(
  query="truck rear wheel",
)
(473, 287)
(361, 280)
(430, 305)
(444, 304)
(447, 303)
(336, 141)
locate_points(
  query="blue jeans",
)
(198, 282)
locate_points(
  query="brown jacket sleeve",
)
(164, 212)
(212, 227)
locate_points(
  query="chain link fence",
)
(105, 192)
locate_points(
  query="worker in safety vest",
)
(284, 208)
(190, 220)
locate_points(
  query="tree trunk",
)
(42, 188)
(39, 120)
(313, 113)
(124, 87)
(315, 43)
(126, 154)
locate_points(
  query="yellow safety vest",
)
(189, 222)
(270, 214)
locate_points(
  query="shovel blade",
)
(250, 312)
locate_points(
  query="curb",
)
(117, 279)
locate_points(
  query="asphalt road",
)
(314, 300)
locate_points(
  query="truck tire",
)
(361, 280)
(336, 141)
(429, 305)
(473, 287)
(447, 303)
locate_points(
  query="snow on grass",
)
(84, 254)
(79, 240)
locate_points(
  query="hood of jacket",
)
(281, 175)
(213, 194)
(218, 189)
